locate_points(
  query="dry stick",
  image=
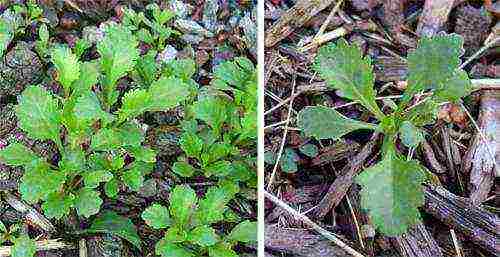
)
(433, 17)
(31, 213)
(341, 185)
(329, 235)
(82, 248)
(478, 224)
(456, 244)
(356, 223)
(480, 161)
(293, 19)
(282, 103)
(319, 38)
(336, 33)
(481, 134)
(411, 243)
(283, 140)
(44, 245)
(480, 51)
(73, 5)
(478, 84)
(328, 19)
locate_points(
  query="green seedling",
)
(96, 144)
(188, 223)
(153, 27)
(219, 124)
(392, 188)
(22, 244)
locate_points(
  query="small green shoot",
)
(392, 190)
(188, 223)
(94, 143)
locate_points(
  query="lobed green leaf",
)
(38, 114)
(433, 62)
(182, 204)
(17, 154)
(88, 202)
(326, 123)
(112, 223)
(157, 216)
(203, 236)
(168, 249)
(392, 192)
(66, 64)
(23, 247)
(343, 67)
(245, 232)
(31, 189)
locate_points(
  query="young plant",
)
(96, 145)
(155, 31)
(22, 244)
(221, 124)
(217, 129)
(188, 223)
(392, 190)
(14, 20)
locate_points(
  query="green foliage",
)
(112, 223)
(434, 62)
(220, 123)
(188, 221)
(349, 72)
(392, 189)
(17, 154)
(288, 161)
(152, 27)
(23, 247)
(119, 53)
(6, 35)
(66, 64)
(101, 145)
(245, 232)
(398, 182)
(39, 114)
(323, 122)
(309, 150)
(156, 216)
(411, 136)
(91, 140)
(15, 20)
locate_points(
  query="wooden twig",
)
(327, 234)
(431, 159)
(433, 17)
(328, 19)
(485, 84)
(493, 42)
(480, 160)
(480, 225)
(43, 245)
(299, 242)
(73, 5)
(283, 140)
(339, 187)
(418, 242)
(31, 213)
(456, 244)
(294, 18)
(82, 248)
